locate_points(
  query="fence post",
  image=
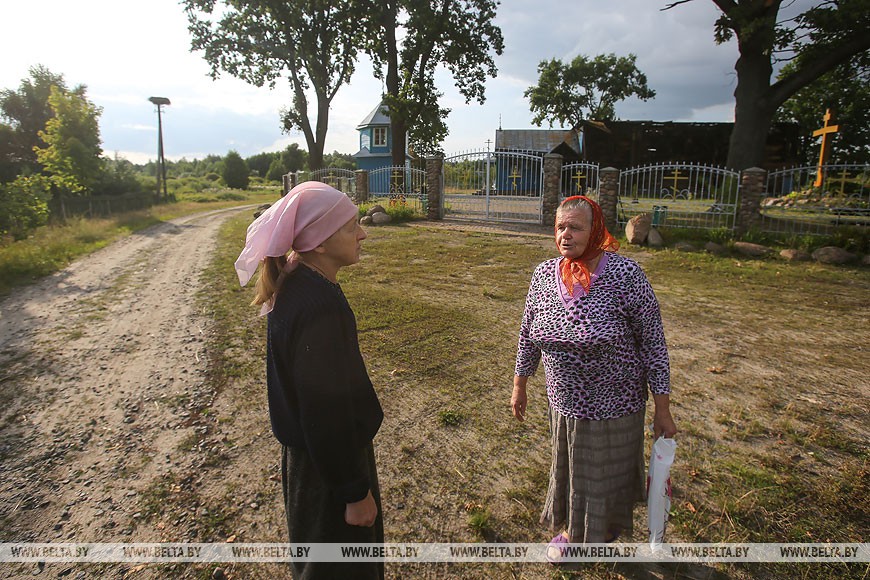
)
(753, 185)
(608, 194)
(434, 188)
(552, 188)
(362, 186)
(285, 184)
(294, 179)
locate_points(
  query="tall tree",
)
(72, 151)
(235, 171)
(26, 112)
(314, 42)
(458, 35)
(585, 88)
(293, 158)
(817, 41)
(846, 91)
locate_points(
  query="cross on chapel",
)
(825, 152)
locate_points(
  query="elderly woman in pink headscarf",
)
(322, 405)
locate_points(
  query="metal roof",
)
(379, 116)
(540, 140)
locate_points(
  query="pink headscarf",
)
(302, 220)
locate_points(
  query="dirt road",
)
(103, 374)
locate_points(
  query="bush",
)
(24, 205)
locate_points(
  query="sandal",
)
(556, 543)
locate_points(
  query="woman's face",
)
(573, 228)
(343, 246)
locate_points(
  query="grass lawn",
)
(769, 367)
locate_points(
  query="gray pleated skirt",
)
(596, 477)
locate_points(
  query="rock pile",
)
(377, 215)
(639, 231)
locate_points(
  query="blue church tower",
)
(375, 140)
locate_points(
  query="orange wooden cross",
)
(825, 152)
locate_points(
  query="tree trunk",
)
(752, 111)
(398, 123)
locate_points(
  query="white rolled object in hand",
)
(658, 487)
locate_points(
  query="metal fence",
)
(341, 179)
(815, 201)
(493, 185)
(399, 186)
(680, 195)
(579, 179)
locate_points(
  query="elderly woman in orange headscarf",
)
(593, 318)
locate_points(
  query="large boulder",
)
(365, 220)
(833, 255)
(795, 255)
(655, 239)
(381, 218)
(637, 229)
(716, 249)
(685, 247)
(376, 209)
(751, 250)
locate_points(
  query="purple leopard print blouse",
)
(600, 349)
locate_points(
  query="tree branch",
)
(674, 4)
(810, 69)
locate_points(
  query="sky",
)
(126, 51)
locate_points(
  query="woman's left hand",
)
(663, 425)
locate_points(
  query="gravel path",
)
(100, 367)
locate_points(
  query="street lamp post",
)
(161, 161)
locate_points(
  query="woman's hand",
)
(361, 513)
(518, 398)
(663, 423)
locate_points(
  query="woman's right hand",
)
(361, 513)
(519, 398)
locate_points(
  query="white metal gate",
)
(493, 185)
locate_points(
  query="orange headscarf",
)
(575, 271)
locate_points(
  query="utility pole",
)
(161, 161)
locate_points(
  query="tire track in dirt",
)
(101, 364)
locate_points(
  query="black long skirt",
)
(315, 515)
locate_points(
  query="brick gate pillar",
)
(753, 183)
(552, 187)
(608, 193)
(362, 186)
(434, 188)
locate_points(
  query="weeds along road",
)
(100, 366)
